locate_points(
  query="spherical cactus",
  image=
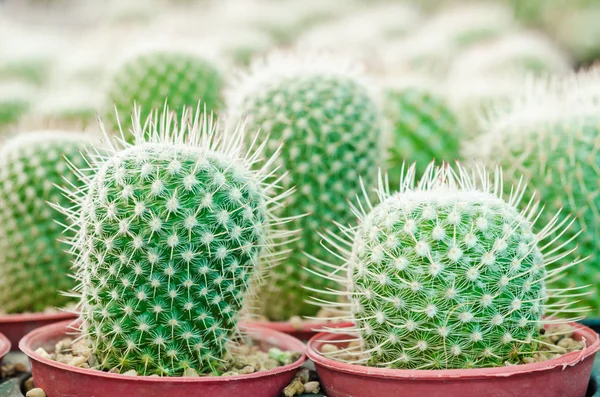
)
(169, 234)
(446, 274)
(551, 136)
(330, 124)
(153, 78)
(34, 266)
(424, 127)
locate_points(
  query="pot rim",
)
(569, 359)
(307, 326)
(38, 334)
(5, 345)
(38, 316)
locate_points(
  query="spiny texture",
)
(34, 266)
(170, 231)
(331, 129)
(444, 275)
(151, 79)
(551, 136)
(424, 129)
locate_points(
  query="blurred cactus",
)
(34, 266)
(330, 124)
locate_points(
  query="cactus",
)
(446, 274)
(34, 266)
(331, 126)
(169, 234)
(155, 77)
(424, 127)
(550, 135)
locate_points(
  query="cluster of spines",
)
(446, 274)
(171, 232)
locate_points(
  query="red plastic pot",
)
(61, 380)
(4, 346)
(566, 376)
(304, 333)
(16, 326)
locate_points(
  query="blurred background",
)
(57, 56)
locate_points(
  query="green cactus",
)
(154, 78)
(331, 126)
(446, 274)
(550, 136)
(424, 129)
(34, 266)
(169, 234)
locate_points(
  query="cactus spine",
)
(551, 136)
(34, 267)
(170, 232)
(444, 274)
(330, 124)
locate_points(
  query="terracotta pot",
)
(59, 380)
(16, 326)
(4, 346)
(304, 333)
(566, 376)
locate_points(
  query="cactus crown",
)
(446, 274)
(171, 231)
(549, 134)
(33, 264)
(330, 123)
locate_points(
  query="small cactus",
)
(170, 231)
(424, 127)
(34, 266)
(330, 124)
(445, 274)
(550, 136)
(156, 77)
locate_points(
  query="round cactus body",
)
(330, 127)
(424, 129)
(155, 78)
(170, 231)
(34, 266)
(551, 137)
(445, 274)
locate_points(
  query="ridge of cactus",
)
(171, 230)
(34, 267)
(329, 122)
(446, 273)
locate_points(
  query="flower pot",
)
(306, 331)
(4, 346)
(60, 380)
(566, 376)
(16, 326)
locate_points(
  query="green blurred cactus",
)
(34, 266)
(330, 126)
(170, 233)
(152, 79)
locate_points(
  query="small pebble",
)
(78, 361)
(42, 352)
(37, 392)
(296, 322)
(312, 387)
(303, 374)
(329, 348)
(294, 389)
(29, 384)
(248, 369)
(190, 373)
(21, 367)
(131, 372)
